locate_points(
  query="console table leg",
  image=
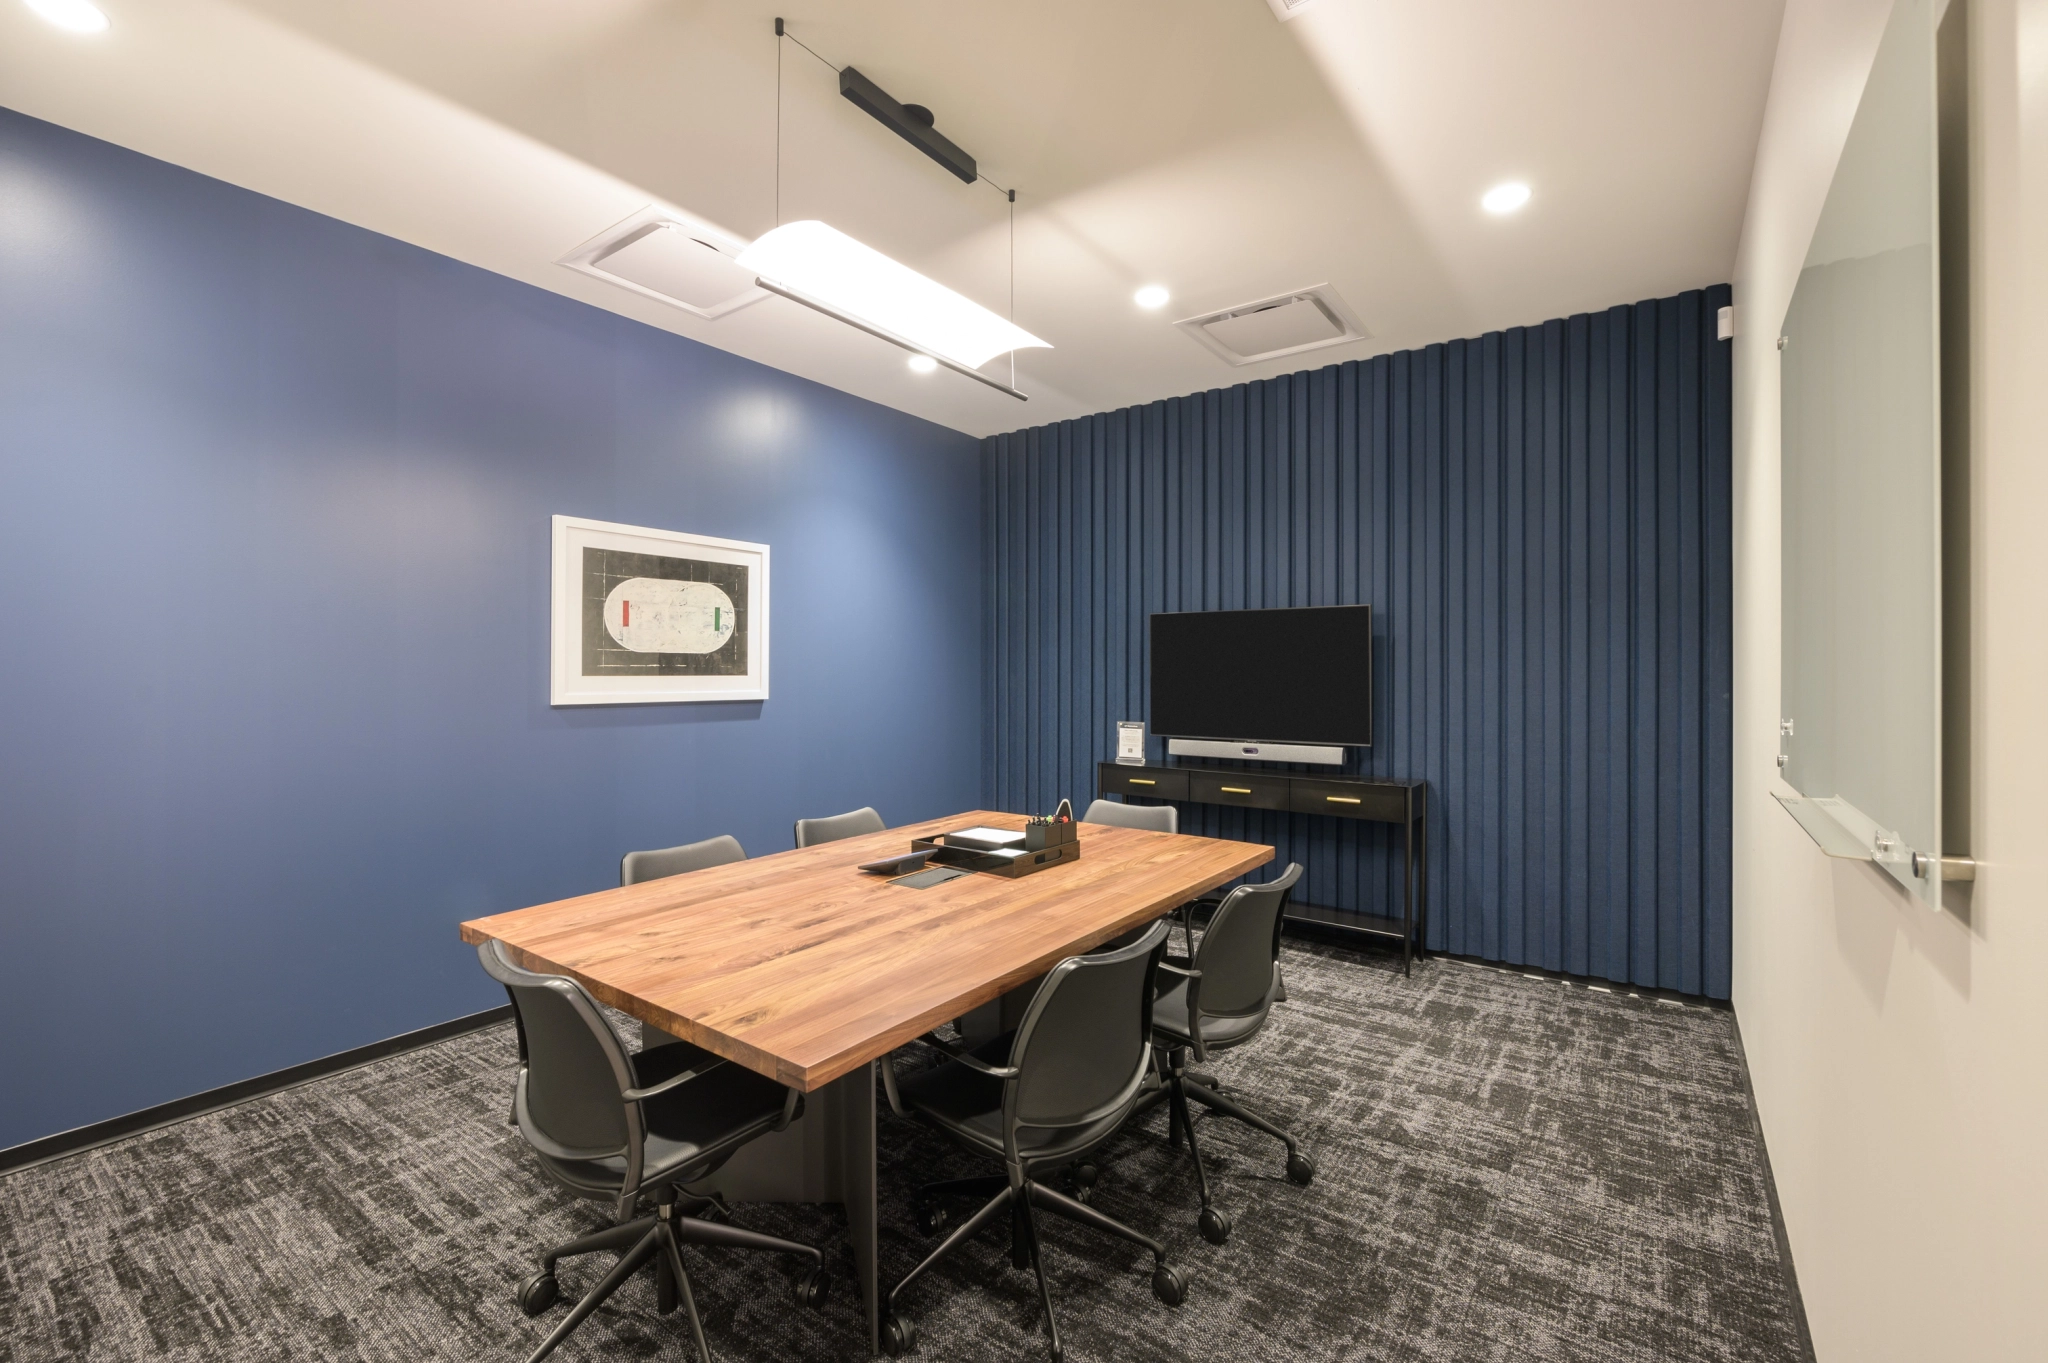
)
(1422, 916)
(1408, 896)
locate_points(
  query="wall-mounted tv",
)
(1300, 675)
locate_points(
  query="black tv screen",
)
(1270, 676)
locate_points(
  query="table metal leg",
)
(857, 1175)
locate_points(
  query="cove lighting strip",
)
(823, 268)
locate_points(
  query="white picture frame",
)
(699, 631)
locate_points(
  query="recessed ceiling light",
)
(1151, 296)
(922, 364)
(1505, 197)
(73, 16)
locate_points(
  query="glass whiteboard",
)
(1861, 447)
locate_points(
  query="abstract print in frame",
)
(643, 616)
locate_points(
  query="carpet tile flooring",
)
(1510, 1168)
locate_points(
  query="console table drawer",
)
(1237, 788)
(1157, 782)
(1348, 800)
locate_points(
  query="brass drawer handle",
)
(1237, 790)
(1140, 781)
(1342, 799)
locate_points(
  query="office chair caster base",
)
(1168, 1286)
(899, 1336)
(538, 1293)
(812, 1288)
(1214, 1225)
(930, 1217)
(1300, 1169)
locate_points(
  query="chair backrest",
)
(673, 861)
(1158, 818)
(811, 832)
(1084, 1045)
(575, 1070)
(1241, 944)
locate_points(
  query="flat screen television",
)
(1300, 675)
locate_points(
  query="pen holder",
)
(1039, 835)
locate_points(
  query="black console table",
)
(1405, 803)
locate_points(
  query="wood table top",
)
(802, 968)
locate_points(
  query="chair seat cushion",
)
(1170, 1019)
(698, 1123)
(968, 1105)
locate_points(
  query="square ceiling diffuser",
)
(659, 255)
(1287, 324)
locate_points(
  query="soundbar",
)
(1256, 752)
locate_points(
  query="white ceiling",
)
(1200, 144)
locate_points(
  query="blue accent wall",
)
(1540, 521)
(274, 535)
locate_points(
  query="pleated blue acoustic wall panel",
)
(1540, 521)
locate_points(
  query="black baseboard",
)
(180, 1109)
(1777, 1212)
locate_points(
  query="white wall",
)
(1900, 1057)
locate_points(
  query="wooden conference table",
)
(802, 968)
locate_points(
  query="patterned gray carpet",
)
(1511, 1168)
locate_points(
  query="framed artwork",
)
(647, 617)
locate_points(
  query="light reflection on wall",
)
(754, 421)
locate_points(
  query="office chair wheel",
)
(931, 1217)
(899, 1335)
(1085, 1176)
(1168, 1286)
(811, 1289)
(1300, 1169)
(537, 1293)
(1215, 1226)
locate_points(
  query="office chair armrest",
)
(1194, 979)
(792, 1106)
(673, 1081)
(888, 1068)
(972, 1062)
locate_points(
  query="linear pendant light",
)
(823, 268)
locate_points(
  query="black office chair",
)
(617, 1127)
(811, 832)
(636, 867)
(1166, 819)
(1217, 1001)
(1075, 1068)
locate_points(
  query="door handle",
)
(1342, 799)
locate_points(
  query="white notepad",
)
(992, 839)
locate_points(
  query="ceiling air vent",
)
(683, 264)
(1307, 319)
(1283, 10)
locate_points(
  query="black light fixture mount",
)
(915, 124)
(911, 122)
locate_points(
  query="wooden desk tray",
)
(974, 859)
